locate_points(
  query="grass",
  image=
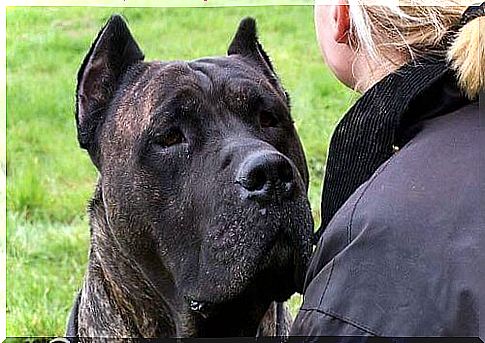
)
(49, 179)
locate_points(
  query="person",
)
(399, 250)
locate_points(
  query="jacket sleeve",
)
(318, 323)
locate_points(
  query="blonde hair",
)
(398, 34)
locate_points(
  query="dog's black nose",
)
(266, 176)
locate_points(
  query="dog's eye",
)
(173, 137)
(267, 119)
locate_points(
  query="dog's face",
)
(203, 177)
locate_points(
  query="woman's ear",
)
(341, 19)
(332, 23)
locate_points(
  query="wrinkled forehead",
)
(210, 83)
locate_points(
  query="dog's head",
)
(202, 174)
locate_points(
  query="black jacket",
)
(402, 255)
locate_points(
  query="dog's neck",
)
(116, 299)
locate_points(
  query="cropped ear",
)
(113, 51)
(246, 43)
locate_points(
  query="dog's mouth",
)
(271, 269)
(240, 315)
(275, 260)
(247, 258)
(276, 270)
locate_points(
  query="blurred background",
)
(50, 179)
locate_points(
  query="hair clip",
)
(472, 12)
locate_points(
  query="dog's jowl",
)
(200, 219)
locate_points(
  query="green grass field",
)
(49, 179)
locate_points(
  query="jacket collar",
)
(385, 118)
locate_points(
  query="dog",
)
(200, 219)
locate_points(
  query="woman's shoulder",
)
(438, 167)
(436, 174)
(431, 184)
(462, 122)
(405, 239)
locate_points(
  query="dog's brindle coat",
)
(200, 217)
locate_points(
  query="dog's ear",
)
(113, 51)
(246, 43)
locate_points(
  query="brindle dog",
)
(200, 219)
